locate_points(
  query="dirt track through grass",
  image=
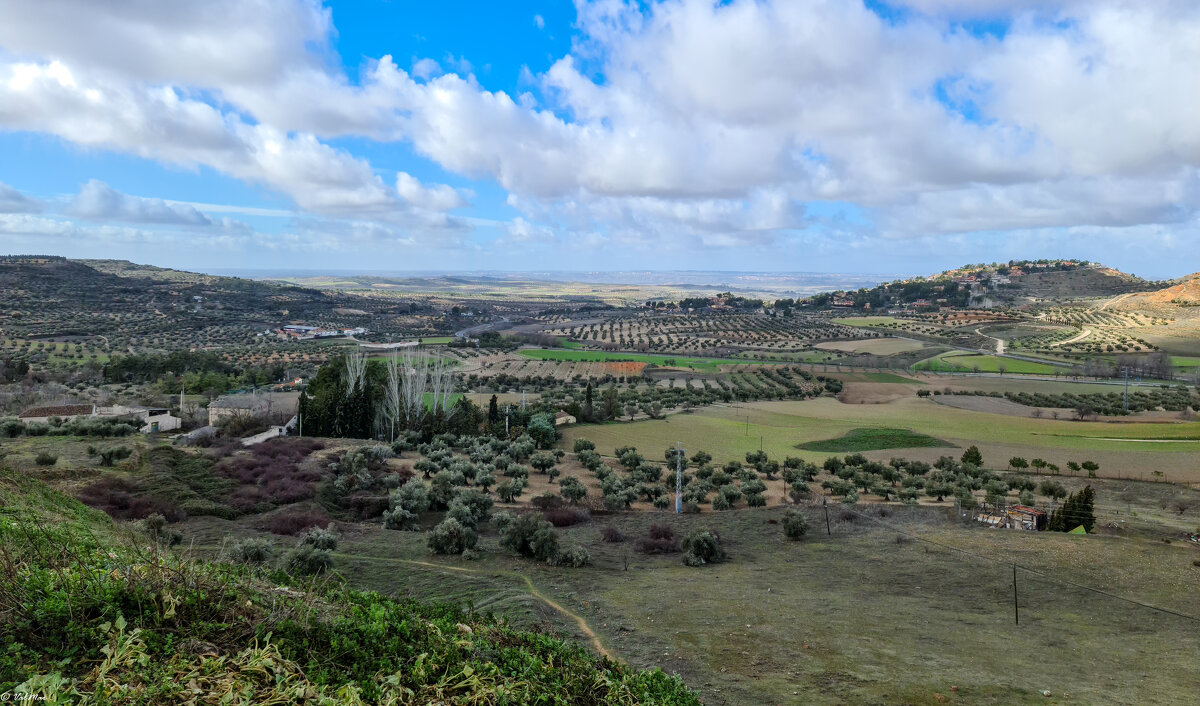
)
(579, 621)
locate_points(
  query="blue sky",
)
(843, 136)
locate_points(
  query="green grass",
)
(963, 362)
(873, 439)
(674, 361)
(569, 344)
(436, 340)
(1185, 362)
(854, 617)
(1128, 449)
(97, 616)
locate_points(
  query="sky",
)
(852, 136)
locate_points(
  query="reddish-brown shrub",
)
(270, 474)
(122, 499)
(547, 501)
(296, 521)
(612, 534)
(659, 539)
(566, 516)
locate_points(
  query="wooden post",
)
(1016, 610)
(825, 504)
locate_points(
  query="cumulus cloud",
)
(703, 123)
(436, 197)
(99, 201)
(13, 201)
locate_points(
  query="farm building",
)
(154, 419)
(563, 418)
(253, 405)
(1022, 517)
(41, 415)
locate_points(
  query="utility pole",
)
(678, 477)
(825, 504)
(1016, 610)
(506, 411)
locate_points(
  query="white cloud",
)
(539, 21)
(13, 201)
(436, 197)
(99, 201)
(710, 123)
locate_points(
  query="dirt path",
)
(1084, 334)
(1114, 300)
(999, 341)
(533, 591)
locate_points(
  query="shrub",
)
(547, 501)
(584, 445)
(573, 557)
(702, 547)
(307, 560)
(122, 499)
(110, 456)
(659, 539)
(451, 537)
(612, 534)
(326, 539)
(566, 516)
(45, 458)
(294, 522)
(250, 551)
(530, 535)
(795, 525)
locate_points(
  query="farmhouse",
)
(253, 405)
(154, 419)
(563, 418)
(41, 415)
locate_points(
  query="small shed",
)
(563, 417)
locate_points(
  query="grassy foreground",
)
(92, 612)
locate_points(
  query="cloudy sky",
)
(778, 135)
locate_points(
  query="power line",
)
(1024, 568)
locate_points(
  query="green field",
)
(889, 378)
(873, 439)
(672, 361)
(1185, 361)
(855, 616)
(1130, 450)
(964, 362)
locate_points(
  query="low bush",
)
(307, 560)
(573, 557)
(326, 539)
(45, 458)
(532, 536)
(612, 535)
(659, 539)
(292, 522)
(451, 537)
(567, 516)
(795, 525)
(123, 499)
(252, 550)
(702, 547)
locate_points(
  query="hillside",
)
(140, 306)
(100, 613)
(1015, 283)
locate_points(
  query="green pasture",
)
(964, 362)
(729, 432)
(873, 439)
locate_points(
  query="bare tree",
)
(356, 368)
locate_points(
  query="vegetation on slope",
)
(97, 612)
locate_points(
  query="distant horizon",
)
(749, 135)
